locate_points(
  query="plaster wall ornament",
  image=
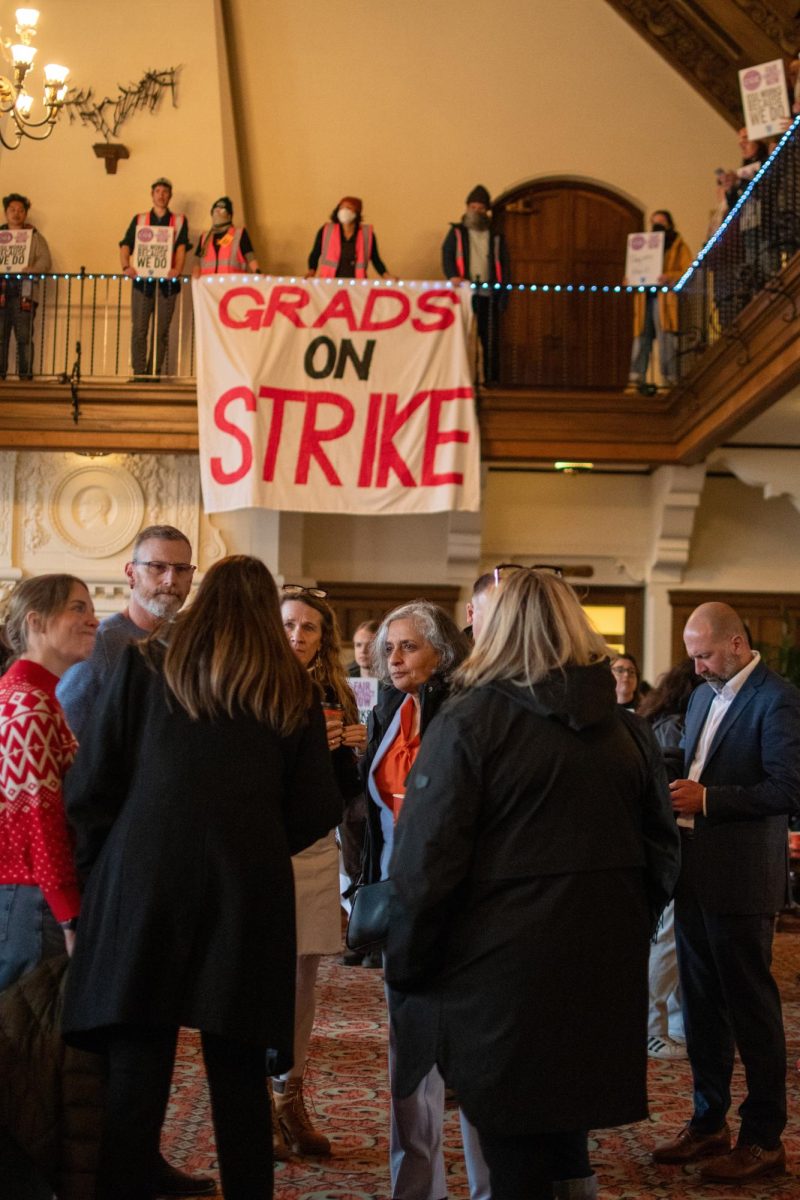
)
(33, 487)
(8, 473)
(677, 494)
(777, 474)
(97, 510)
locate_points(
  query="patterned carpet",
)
(349, 1090)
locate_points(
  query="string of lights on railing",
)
(16, 103)
(428, 284)
(717, 234)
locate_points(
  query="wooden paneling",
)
(764, 613)
(355, 603)
(562, 232)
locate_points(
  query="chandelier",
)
(15, 102)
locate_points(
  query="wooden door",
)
(560, 232)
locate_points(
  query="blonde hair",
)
(535, 625)
(228, 653)
(326, 669)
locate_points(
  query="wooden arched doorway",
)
(563, 231)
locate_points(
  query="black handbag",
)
(368, 926)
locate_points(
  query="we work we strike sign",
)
(15, 250)
(335, 396)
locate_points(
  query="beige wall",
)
(410, 104)
(81, 210)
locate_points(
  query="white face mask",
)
(346, 216)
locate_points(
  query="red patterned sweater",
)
(36, 748)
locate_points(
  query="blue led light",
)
(766, 166)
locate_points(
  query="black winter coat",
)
(186, 829)
(535, 848)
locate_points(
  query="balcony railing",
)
(83, 322)
(743, 258)
(564, 337)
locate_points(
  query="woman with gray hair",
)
(416, 650)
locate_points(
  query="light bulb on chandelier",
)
(16, 102)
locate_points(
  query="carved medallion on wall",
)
(96, 510)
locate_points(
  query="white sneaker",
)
(658, 1047)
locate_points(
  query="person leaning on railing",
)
(18, 296)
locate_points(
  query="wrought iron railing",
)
(743, 258)
(83, 321)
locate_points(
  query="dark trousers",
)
(526, 1166)
(140, 1063)
(487, 316)
(14, 317)
(730, 1001)
(146, 307)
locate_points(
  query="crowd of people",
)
(345, 247)
(170, 785)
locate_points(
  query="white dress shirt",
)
(726, 694)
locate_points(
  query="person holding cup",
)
(313, 633)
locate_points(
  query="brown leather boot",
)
(301, 1136)
(280, 1151)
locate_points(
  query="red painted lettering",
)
(312, 438)
(370, 440)
(444, 317)
(435, 437)
(251, 319)
(218, 472)
(279, 397)
(286, 301)
(339, 309)
(389, 458)
(370, 323)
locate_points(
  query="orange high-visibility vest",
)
(461, 260)
(225, 258)
(176, 220)
(332, 250)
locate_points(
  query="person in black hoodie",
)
(533, 856)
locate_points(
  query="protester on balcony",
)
(225, 248)
(18, 296)
(655, 315)
(474, 252)
(754, 224)
(345, 246)
(154, 297)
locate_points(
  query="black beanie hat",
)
(479, 195)
(223, 202)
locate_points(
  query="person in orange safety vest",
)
(224, 249)
(344, 246)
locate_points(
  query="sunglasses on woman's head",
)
(291, 590)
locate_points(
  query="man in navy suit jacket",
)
(742, 762)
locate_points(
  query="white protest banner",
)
(765, 100)
(15, 250)
(644, 260)
(335, 395)
(152, 251)
(365, 689)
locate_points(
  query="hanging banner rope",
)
(335, 396)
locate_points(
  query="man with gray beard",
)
(160, 575)
(474, 252)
